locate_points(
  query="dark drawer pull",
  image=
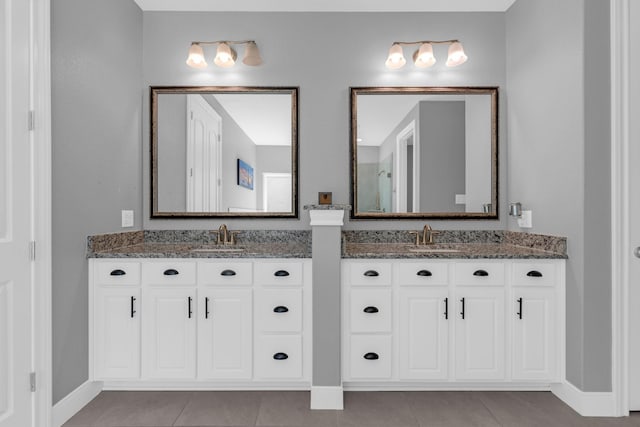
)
(371, 309)
(171, 272)
(371, 273)
(228, 273)
(118, 272)
(371, 356)
(480, 273)
(281, 356)
(281, 273)
(424, 273)
(133, 309)
(534, 273)
(280, 309)
(519, 313)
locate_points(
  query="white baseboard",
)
(327, 398)
(74, 401)
(586, 403)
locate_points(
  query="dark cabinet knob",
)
(371, 356)
(281, 356)
(280, 309)
(480, 273)
(117, 272)
(171, 272)
(371, 273)
(534, 273)
(227, 273)
(424, 273)
(281, 273)
(371, 309)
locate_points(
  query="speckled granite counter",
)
(473, 244)
(199, 244)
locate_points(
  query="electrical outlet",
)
(127, 218)
(525, 220)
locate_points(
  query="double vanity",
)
(177, 310)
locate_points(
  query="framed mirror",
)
(424, 152)
(224, 152)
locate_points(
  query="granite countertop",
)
(446, 251)
(186, 250)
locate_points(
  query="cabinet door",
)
(116, 334)
(224, 334)
(169, 326)
(480, 333)
(424, 333)
(534, 334)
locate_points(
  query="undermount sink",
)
(434, 250)
(216, 249)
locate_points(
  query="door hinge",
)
(32, 120)
(32, 250)
(32, 381)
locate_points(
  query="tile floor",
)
(362, 409)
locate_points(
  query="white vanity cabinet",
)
(442, 322)
(200, 322)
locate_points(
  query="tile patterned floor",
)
(362, 409)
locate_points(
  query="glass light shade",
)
(196, 57)
(423, 57)
(396, 57)
(225, 56)
(252, 55)
(456, 55)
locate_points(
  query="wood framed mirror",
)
(220, 151)
(424, 152)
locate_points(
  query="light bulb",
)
(225, 56)
(456, 55)
(196, 57)
(396, 57)
(423, 57)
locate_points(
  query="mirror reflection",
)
(224, 151)
(424, 152)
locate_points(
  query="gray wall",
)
(270, 158)
(442, 155)
(299, 50)
(172, 153)
(96, 108)
(558, 159)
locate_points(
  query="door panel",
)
(15, 216)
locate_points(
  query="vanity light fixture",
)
(423, 57)
(225, 55)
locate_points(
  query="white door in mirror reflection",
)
(204, 140)
(277, 192)
(407, 188)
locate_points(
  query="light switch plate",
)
(525, 220)
(127, 218)
(461, 199)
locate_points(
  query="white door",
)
(424, 333)
(480, 344)
(169, 333)
(532, 313)
(224, 334)
(116, 333)
(15, 216)
(276, 192)
(634, 209)
(204, 136)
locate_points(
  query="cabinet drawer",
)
(278, 310)
(423, 274)
(369, 274)
(279, 356)
(534, 274)
(225, 273)
(169, 273)
(370, 310)
(479, 273)
(117, 273)
(278, 273)
(370, 356)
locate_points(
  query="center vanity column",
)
(326, 384)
